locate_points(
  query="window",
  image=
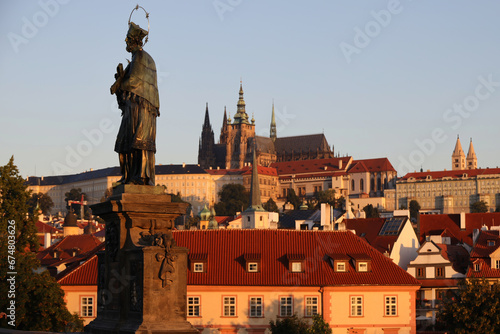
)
(229, 305)
(255, 309)
(253, 267)
(193, 304)
(341, 266)
(420, 272)
(311, 306)
(497, 264)
(439, 272)
(198, 267)
(356, 306)
(391, 306)
(296, 267)
(286, 306)
(353, 185)
(491, 243)
(361, 185)
(477, 267)
(362, 266)
(87, 307)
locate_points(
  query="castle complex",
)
(237, 141)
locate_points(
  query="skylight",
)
(392, 226)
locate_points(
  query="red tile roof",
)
(227, 248)
(480, 254)
(313, 166)
(452, 173)
(436, 224)
(81, 274)
(261, 170)
(83, 242)
(372, 165)
(46, 228)
(481, 248)
(368, 229)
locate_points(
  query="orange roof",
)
(261, 170)
(371, 165)
(452, 173)
(481, 248)
(84, 243)
(368, 229)
(227, 250)
(81, 274)
(436, 224)
(311, 166)
(485, 270)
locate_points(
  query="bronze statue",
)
(136, 90)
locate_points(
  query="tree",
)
(325, 196)
(476, 308)
(478, 207)
(292, 198)
(233, 198)
(289, 325)
(414, 210)
(270, 205)
(42, 200)
(371, 212)
(33, 291)
(319, 326)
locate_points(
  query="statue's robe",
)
(138, 99)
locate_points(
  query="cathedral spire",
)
(206, 153)
(241, 114)
(206, 123)
(273, 126)
(458, 156)
(223, 130)
(471, 157)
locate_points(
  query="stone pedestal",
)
(142, 273)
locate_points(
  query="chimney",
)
(340, 163)
(462, 220)
(47, 240)
(183, 165)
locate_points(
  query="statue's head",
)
(134, 38)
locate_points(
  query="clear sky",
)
(396, 79)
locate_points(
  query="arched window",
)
(379, 185)
(353, 185)
(361, 185)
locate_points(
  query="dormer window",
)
(477, 267)
(362, 266)
(252, 263)
(295, 262)
(198, 267)
(491, 243)
(253, 267)
(198, 262)
(296, 267)
(362, 262)
(340, 262)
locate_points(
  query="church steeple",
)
(206, 153)
(223, 130)
(241, 115)
(471, 157)
(273, 126)
(458, 156)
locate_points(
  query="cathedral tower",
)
(240, 134)
(458, 157)
(206, 153)
(471, 157)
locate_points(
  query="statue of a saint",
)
(136, 90)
